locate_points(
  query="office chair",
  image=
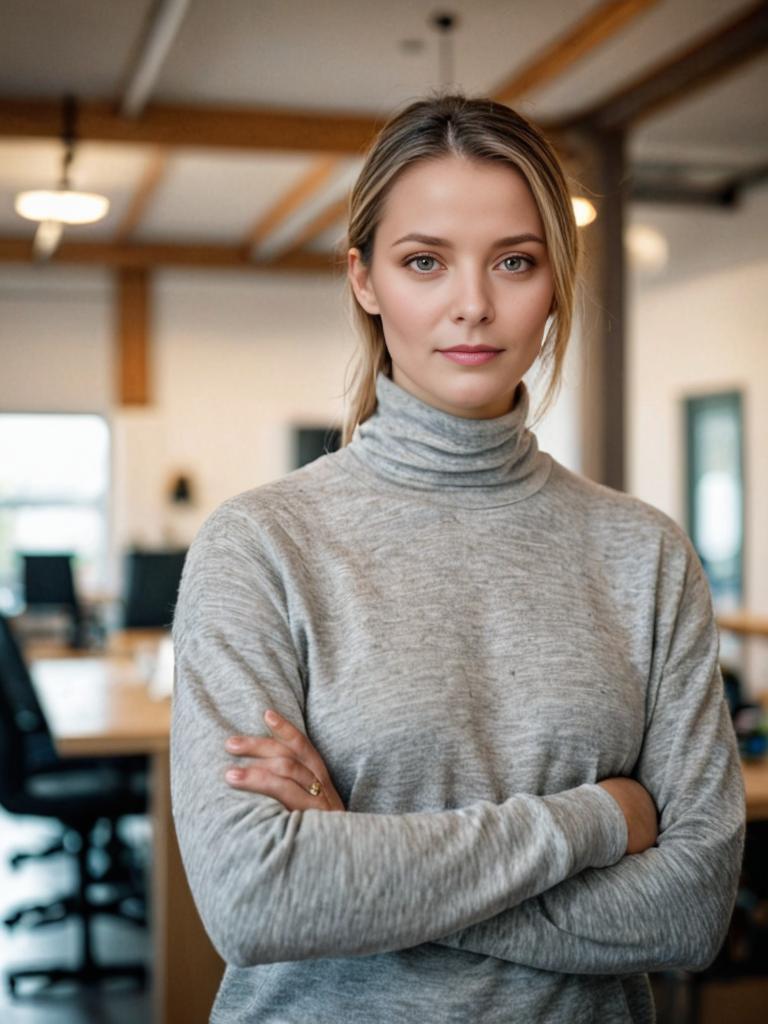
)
(151, 587)
(78, 792)
(49, 584)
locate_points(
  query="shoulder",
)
(274, 508)
(619, 522)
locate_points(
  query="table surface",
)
(101, 706)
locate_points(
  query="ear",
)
(360, 279)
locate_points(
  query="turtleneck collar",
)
(476, 463)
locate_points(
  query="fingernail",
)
(272, 718)
(235, 775)
(234, 742)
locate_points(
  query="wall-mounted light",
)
(181, 491)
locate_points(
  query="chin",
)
(477, 393)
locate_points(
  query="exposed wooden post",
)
(133, 337)
(603, 172)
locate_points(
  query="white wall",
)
(237, 359)
(55, 339)
(701, 327)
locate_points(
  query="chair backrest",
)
(26, 744)
(49, 581)
(151, 587)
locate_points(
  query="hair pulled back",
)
(476, 129)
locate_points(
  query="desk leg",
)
(186, 969)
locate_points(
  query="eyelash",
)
(428, 256)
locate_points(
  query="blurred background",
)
(174, 330)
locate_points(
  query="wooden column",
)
(602, 170)
(133, 337)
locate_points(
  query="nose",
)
(472, 300)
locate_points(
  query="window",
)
(715, 488)
(54, 480)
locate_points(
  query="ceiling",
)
(359, 57)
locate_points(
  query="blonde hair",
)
(478, 129)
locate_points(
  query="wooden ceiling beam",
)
(299, 193)
(211, 257)
(699, 65)
(596, 28)
(154, 172)
(326, 218)
(214, 127)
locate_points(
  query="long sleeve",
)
(671, 905)
(273, 885)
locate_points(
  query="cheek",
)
(529, 306)
(406, 309)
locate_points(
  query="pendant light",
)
(53, 208)
(445, 23)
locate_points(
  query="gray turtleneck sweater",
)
(472, 637)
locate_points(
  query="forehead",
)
(460, 194)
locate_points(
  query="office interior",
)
(195, 342)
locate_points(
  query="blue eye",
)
(518, 259)
(418, 263)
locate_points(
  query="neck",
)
(477, 462)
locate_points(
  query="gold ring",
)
(314, 789)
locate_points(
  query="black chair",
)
(83, 794)
(151, 587)
(49, 585)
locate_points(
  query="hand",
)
(284, 767)
(639, 811)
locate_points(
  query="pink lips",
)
(470, 357)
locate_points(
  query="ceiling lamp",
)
(63, 204)
(52, 208)
(583, 211)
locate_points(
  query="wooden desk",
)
(121, 642)
(130, 642)
(101, 707)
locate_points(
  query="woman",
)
(488, 672)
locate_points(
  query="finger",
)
(296, 741)
(259, 778)
(287, 767)
(256, 746)
(266, 747)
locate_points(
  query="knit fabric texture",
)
(472, 636)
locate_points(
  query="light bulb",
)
(47, 238)
(648, 249)
(583, 210)
(62, 205)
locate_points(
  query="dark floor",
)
(39, 881)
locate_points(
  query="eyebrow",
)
(432, 240)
